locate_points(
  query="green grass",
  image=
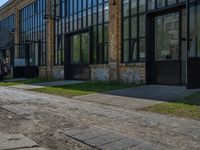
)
(26, 81)
(188, 107)
(85, 88)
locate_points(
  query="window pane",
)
(133, 7)
(75, 47)
(151, 4)
(134, 27)
(126, 28)
(126, 8)
(170, 2)
(142, 49)
(142, 25)
(160, 3)
(133, 51)
(167, 37)
(194, 31)
(85, 48)
(142, 5)
(126, 52)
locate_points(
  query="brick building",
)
(138, 41)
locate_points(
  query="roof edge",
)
(6, 4)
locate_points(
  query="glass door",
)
(80, 49)
(193, 63)
(167, 37)
(167, 49)
(79, 56)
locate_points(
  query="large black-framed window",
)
(77, 15)
(7, 25)
(33, 32)
(133, 26)
(194, 29)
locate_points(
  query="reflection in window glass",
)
(194, 30)
(151, 4)
(85, 48)
(75, 47)
(126, 28)
(134, 27)
(126, 8)
(133, 7)
(166, 38)
(170, 2)
(142, 5)
(84, 14)
(160, 3)
(142, 49)
(126, 52)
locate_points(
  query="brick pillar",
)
(50, 43)
(16, 39)
(16, 26)
(114, 39)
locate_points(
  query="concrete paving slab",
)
(139, 97)
(155, 92)
(119, 101)
(45, 84)
(15, 141)
(20, 109)
(109, 140)
(97, 142)
(27, 86)
(34, 148)
(147, 146)
(58, 83)
(13, 80)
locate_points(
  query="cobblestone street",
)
(55, 122)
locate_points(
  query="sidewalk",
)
(45, 84)
(17, 141)
(139, 97)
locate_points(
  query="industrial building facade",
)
(135, 41)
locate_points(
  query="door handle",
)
(183, 39)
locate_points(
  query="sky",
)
(2, 2)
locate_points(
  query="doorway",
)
(77, 56)
(168, 48)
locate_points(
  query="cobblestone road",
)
(48, 120)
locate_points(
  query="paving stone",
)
(129, 142)
(114, 146)
(73, 132)
(34, 148)
(121, 144)
(99, 141)
(112, 137)
(86, 136)
(97, 130)
(14, 141)
(148, 146)
(102, 138)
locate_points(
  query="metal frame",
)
(150, 53)
(68, 25)
(68, 65)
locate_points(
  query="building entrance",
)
(169, 48)
(78, 52)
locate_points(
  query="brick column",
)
(114, 39)
(16, 26)
(50, 44)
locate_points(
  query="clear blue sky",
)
(2, 2)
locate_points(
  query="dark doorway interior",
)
(77, 56)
